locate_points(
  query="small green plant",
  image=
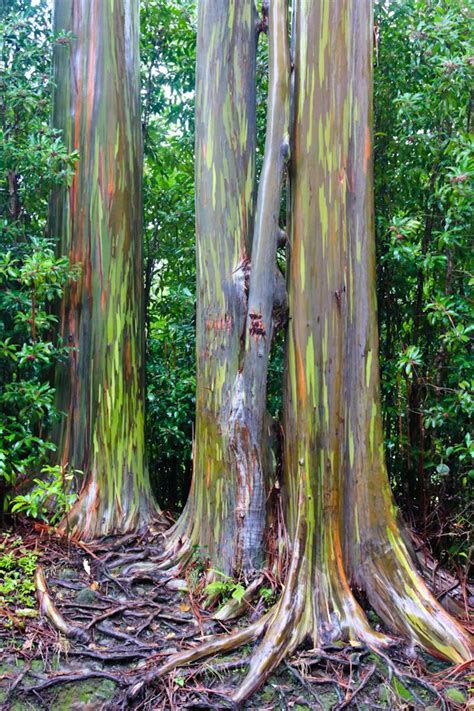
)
(225, 588)
(50, 498)
(17, 569)
(268, 596)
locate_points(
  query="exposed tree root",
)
(48, 609)
(140, 623)
(321, 611)
(401, 598)
(451, 591)
(92, 516)
(410, 679)
(320, 606)
(351, 696)
(225, 643)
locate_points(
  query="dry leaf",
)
(184, 607)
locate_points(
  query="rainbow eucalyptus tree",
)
(241, 294)
(341, 515)
(98, 220)
(341, 510)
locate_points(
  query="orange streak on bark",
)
(367, 150)
(77, 122)
(300, 376)
(73, 198)
(111, 183)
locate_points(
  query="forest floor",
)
(125, 623)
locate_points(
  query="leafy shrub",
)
(424, 190)
(33, 161)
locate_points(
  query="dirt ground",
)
(123, 622)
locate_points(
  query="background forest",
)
(424, 166)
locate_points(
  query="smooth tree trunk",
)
(266, 304)
(98, 221)
(376, 555)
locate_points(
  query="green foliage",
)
(424, 165)
(49, 498)
(32, 161)
(168, 36)
(268, 596)
(17, 569)
(225, 589)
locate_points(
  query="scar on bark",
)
(219, 324)
(256, 324)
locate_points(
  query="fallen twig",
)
(299, 677)
(69, 678)
(349, 699)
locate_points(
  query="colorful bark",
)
(340, 511)
(225, 157)
(340, 507)
(375, 552)
(99, 223)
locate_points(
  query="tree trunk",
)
(225, 168)
(266, 299)
(238, 296)
(340, 506)
(98, 220)
(376, 555)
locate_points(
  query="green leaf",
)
(402, 690)
(238, 592)
(455, 695)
